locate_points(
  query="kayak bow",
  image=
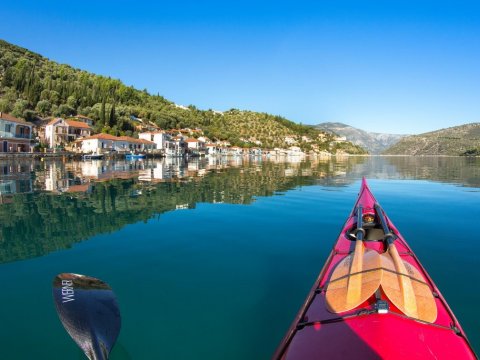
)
(405, 318)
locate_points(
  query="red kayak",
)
(374, 300)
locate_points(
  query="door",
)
(5, 146)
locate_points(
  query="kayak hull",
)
(363, 332)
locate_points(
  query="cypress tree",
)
(102, 112)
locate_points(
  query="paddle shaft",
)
(356, 277)
(355, 282)
(406, 286)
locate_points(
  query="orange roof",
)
(11, 118)
(101, 136)
(77, 124)
(134, 140)
(148, 142)
(190, 140)
(128, 138)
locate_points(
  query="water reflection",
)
(49, 205)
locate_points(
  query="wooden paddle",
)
(88, 310)
(356, 277)
(402, 283)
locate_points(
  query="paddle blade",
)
(413, 298)
(88, 310)
(346, 291)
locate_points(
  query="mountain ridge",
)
(456, 140)
(374, 142)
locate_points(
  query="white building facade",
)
(15, 134)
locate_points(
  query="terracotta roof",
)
(190, 140)
(11, 118)
(101, 136)
(134, 140)
(148, 142)
(77, 124)
(128, 138)
(53, 121)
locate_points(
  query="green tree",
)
(102, 112)
(29, 115)
(72, 102)
(5, 106)
(43, 107)
(64, 110)
(19, 107)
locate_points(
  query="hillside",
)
(32, 86)
(457, 140)
(374, 143)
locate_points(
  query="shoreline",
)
(76, 156)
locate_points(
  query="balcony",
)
(9, 134)
(22, 136)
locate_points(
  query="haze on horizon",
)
(402, 67)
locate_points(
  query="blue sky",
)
(385, 66)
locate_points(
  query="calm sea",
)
(212, 258)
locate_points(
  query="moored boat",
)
(374, 300)
(133, 156)
(92, 156)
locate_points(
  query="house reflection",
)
(14, 178)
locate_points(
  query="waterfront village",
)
(74, 136)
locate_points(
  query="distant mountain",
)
(457, 140)
(375, 143)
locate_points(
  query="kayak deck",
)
(365, 332)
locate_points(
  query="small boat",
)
(92, 156)
(374, 300)
(133, 156)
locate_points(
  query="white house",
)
(15, 134)
(135, 144)
(290, 140)
(213, 149)
(160, 138)
(195, 145)
(97, 143)
(62, 132)
(235, 150)
(101, 143)
(295, 151)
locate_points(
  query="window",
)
(8, 127)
